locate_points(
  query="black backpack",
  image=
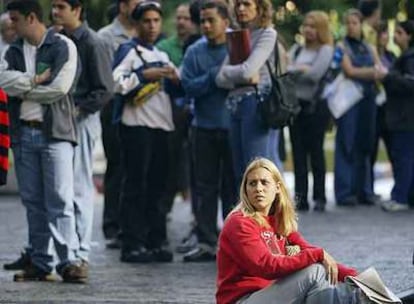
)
(280, 107)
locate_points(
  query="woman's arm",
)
(295, 238)
(364, 73)
(321, 64)
(231, 75)
(396, 81)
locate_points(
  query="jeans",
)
(402, 150)
(353, 147)
(44, 170)
(88, 129)
(307, 286)
(249, 138)
(214, 178)
(145, 160)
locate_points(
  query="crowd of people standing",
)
(178, 118)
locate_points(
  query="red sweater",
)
(251, 258)
(4, 138)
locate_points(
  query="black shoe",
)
(21, 263)
(138, 255)
(33, 273)
(371, 200)
(319, 206)
(75, 273)
(302, 206)
(114, 243)
(162, 255)
(349, 202)
(199, 255)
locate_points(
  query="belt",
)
(34, 124)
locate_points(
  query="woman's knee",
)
(316, 273)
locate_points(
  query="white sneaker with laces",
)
(393, 206)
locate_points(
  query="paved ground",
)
(360, 237)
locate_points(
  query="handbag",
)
(280, 106)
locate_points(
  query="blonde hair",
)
(264, 12)
(322, 27)
(282, 207)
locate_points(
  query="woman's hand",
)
(254, 80)
(331, 268)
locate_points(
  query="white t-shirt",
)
(30, 110)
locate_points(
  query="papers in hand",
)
(342, 94)
(373, 287)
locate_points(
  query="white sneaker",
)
(393, 206)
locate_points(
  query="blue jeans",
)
(402, 151)
(249, 138)
(88, 129)
(44, 172)
(353, 149)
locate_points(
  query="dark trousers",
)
(383, 133)
(214, 176)
(307, 135)
(402, 149)
(179, 159)
(353, 149)
(145, 161)
(113, 174)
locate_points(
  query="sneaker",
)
(74, 273)
(138, 255)
(393, 206)
(34, 273)
(199, 254)
(319, 206)
(302, 206)
(351, 202)
(114, 243)
(21, 263)
(188, 243)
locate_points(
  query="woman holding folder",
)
(247, 78)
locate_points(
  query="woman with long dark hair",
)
(399, 116)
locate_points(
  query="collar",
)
(79, 32)
(48, 38)
(119, 29)
(143, 44)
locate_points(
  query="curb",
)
(407, 296)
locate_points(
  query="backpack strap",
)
(139, 54)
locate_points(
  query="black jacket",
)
(95, 86)
(399, 86)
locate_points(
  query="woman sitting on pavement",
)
(262, 258)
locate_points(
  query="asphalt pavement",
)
(360, 237)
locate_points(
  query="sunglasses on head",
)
(149, 3)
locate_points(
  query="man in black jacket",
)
(92, 92)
